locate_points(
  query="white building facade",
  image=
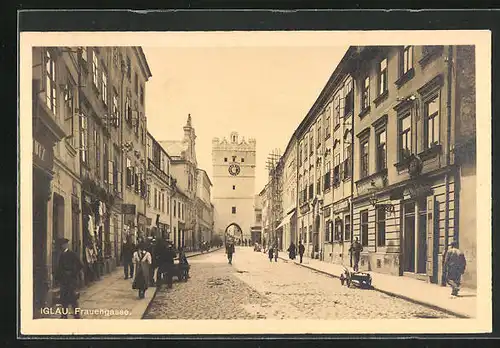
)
(234, 183)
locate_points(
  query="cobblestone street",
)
(254, 288)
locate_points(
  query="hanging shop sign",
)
(305, 208)
(141, 219)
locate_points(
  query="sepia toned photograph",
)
(292, 182)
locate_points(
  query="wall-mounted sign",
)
(326, 211)
(128, 209)
(368, 185)
(340, 206)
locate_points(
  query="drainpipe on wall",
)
(351, 205)
(449, 58)
(121, 143)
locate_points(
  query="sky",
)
(260, 92)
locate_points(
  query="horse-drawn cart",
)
(361, 279)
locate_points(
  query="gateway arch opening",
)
(234, 233)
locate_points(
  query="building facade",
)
(233, 164)
(387, 155)
(324, 168)
(204, 208)
(256, 228)
(134, 133)
(183, 169)
(160, 190)
(56, 183)
(78, 97)
(289, 197)
(266, 215)
(407, 105)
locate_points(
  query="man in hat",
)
(168, 263)
(454, 267)
(230, 251)
(355, 250)
(128, 250)
(67, 273)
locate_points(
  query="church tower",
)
(233, 190)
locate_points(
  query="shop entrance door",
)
(409, 237)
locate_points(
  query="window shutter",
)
(111, 169)
(341, 174)
(128, 177)
(342, 105)
(119, 182)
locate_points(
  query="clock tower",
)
(233, 192)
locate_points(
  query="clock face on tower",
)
(234, 169)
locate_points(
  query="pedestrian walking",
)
(142, 261)
(355, 250)
(230, 252)
(150, 248)
(128, 249)
(454, 266)
(183, 261)
(292, 250)
(168, 264)
(270, 253)
(158, 256)
(302, 249)
(275, 253)
(68, 269)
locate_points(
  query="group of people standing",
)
(141, 262)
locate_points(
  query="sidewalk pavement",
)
(112, 297)
(414, 290)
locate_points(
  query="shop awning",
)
(286, 219)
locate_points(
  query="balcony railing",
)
(158, 172)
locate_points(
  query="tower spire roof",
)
(188, 123)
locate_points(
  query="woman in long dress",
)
(142, 263)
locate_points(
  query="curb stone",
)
(390, 293)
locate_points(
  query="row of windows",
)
(340, 230)
(159, 198)
(234, 159)
(135, 179)
(156, 154)
(406, 132)
(405, 61)
(100, 82)
(330, 178)
(339, 109)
